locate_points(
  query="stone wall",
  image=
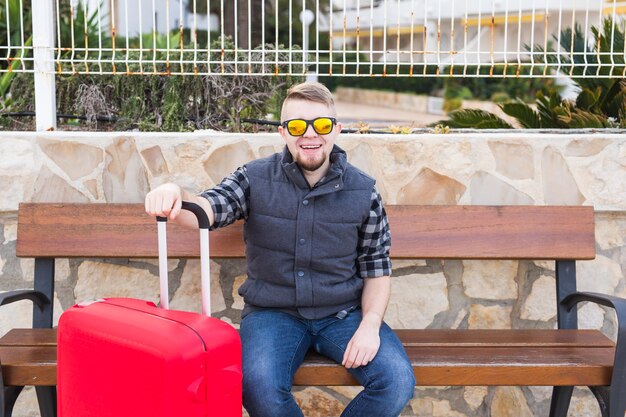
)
(478, 168)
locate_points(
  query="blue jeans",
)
(274, 345)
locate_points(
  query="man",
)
(317, 250)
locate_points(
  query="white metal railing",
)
(496, 38)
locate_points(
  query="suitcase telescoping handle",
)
(205, 273)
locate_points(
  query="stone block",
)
(590, 316)
(363, 157)
(513, 160)
(489, 317)
(443, 409)
(172, 263)
(583, 405)
(559, 185)
(431, 188)
(407, 263)
(226, 159)
(154, 160)
(492, 280)
(92, 187)
(64, 152)
(474, 396)
(50, 187)
(61, 269)
(238, 303)
(347, 391)
(510, 402)
(586, 147)
(14, 189)
(415, 300)
(187, 297)
(98, 280)
(486, 189)
(16, 315)
(599, 275)
(10, 230)
(422, 406)
(316, 403)
(26, 404)
(19, 157)
(547, 265)
(541, 393)
(124, 178)
(538, 306)
(610, 230)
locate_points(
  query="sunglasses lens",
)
(323, 125)
(296, 127)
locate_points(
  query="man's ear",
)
(281, 130)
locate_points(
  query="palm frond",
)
(579, 119)
(524, 114)
(474, 119)
(588, 99)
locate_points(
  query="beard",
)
(311, 163)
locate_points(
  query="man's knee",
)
(396, 382)
(263, 391)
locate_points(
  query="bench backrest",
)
(422, 232)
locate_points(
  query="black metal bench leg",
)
(609, 406)
(561, 397)
(10, 395)
(47, 398)
(602, 395)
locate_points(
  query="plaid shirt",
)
(229, 201)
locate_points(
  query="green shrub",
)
(452, 104)
(500, 97)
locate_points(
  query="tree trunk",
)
(249, 21)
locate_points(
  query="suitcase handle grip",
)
(203, 218)
(203, 223)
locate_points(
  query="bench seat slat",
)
(568, 357)
(29, 365)
(503, 338)
(29, 337)
(422, 337)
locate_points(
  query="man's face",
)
(311, 151)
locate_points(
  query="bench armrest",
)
(38, 298)
(618, 379)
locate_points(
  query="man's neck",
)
(313, 177)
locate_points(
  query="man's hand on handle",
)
(166, 201)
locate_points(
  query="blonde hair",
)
(311, 91)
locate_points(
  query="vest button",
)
(305, 202)
(302, 241)
(300, 273)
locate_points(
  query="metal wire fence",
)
(403, 38)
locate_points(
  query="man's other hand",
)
(363, 346)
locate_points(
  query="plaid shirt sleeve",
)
(229, 199)
(374, 242)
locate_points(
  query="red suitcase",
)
(123, 357)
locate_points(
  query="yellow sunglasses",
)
(321, 125)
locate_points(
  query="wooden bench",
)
(561, 358)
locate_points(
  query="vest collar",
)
(333, 181)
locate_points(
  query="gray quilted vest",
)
(301, 242)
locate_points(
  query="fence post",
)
(43, 50)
